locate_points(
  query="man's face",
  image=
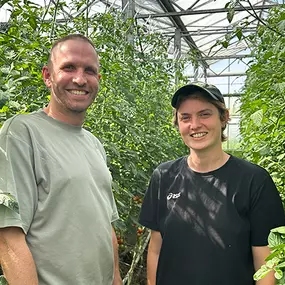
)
(73, 76)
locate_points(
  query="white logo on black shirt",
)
(173, 196)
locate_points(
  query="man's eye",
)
(91, 71)
(68, 67)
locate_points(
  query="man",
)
(210, 212)
(57, 175)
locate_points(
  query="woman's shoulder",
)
(172, 165)
(244, 166)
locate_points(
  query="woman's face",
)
(199, 124)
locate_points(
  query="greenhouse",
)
(147, 50)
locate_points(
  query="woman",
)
(209, 212)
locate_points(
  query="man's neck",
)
(75, 119)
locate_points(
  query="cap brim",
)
(189, 90)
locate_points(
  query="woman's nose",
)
(195, 123)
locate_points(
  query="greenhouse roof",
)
(196, 25)
(200, 24)
(190, 25)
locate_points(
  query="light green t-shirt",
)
(62, 186)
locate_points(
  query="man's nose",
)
(79, 78)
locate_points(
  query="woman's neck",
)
(207, 162)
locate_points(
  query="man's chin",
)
(78, 109)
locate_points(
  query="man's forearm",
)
(16, 259)
(117, 275)
(18, 267)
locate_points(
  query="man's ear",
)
(46, 76)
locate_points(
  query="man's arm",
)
(117, 275)
(259, 254)
(152, 256)
(16, 259)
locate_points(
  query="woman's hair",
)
(223, 111)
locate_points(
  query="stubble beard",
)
(73, 107)
(77, 109)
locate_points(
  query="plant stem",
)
(138, 252)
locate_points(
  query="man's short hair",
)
(67, 38)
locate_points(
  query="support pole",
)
(196, 72)
(205, 74)
(177, 53)
(128, 9)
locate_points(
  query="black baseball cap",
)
(191, 88)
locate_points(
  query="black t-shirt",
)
(210, 221)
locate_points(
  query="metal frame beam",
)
(208, 32)
(224, 74)
(199, 12)
(177, 22)
(221, 57)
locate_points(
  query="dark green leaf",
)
(3, 281)
(230, 14)
(9, 201)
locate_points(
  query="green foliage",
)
(23, 51)
(276, 260)
(231, 12)
(132, 115)
(3, 281)
(263, 101)
(263, 114)
(239, 27)
(9, 201)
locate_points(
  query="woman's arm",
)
(259, 254)
(152, 256)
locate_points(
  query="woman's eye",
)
(205, 115)
(184, 118)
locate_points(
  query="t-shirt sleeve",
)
(115, 215)
(266, 211)
(149, 215)
(18, 189)
(101, 148)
